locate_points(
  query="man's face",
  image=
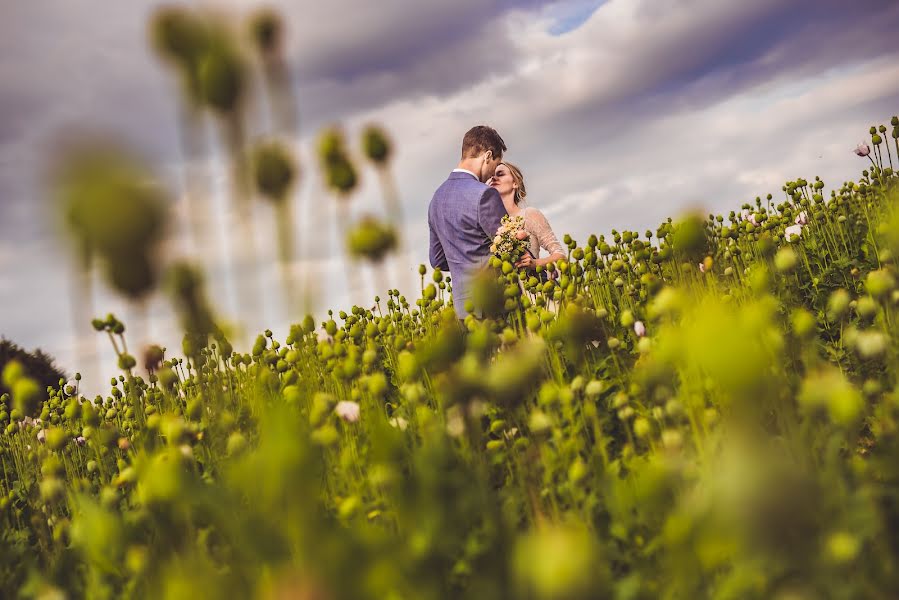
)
(489, 166)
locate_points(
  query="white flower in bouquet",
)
(508, 239)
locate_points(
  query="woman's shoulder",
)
(531, 212)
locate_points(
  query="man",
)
(465, 213)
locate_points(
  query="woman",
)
(509, 182)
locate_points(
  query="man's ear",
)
(488, 155)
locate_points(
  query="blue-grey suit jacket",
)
(463, 217)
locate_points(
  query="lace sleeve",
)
(539, 226)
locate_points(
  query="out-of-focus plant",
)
(116, 213)
(378, 149)
(341, 178)
(707, 410)
(275, 174)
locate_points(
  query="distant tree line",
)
(38, 364)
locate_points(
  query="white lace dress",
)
(542, 235)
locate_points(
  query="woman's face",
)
(503, 181)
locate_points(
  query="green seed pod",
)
(178, 35)
(642, 427)
(325, 436)
(274, 170)
(56, 438)
(26, 395)
(340, 175)
(167, 378)
(837, 304)
(292, 395)
(880, 283)
(236, 444)
(322, 404)
(408, 367)
(221, 78)
(194, 409)
(52, 490)
(375, 145)
(804, 324)
(371, 239)
(266, 31)
(785, 260)
(866, 307)
(126, 362)
(12, 372)
(689, 238)
(593, 389)
(377, 384)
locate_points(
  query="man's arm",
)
(436, 254)
(490, 212)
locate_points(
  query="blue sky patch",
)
(572, 14)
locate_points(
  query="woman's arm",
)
(539, 226)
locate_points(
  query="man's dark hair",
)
(481, 138)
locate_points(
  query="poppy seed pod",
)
(266, 29)
(131, 274)
(178, 35)
(26, 395)
(689, 238)
(376, 145)
(371, 239)
(880, 283)
(274, 170)
(340, 174)
(786, 260)
(110, 201)
(837, 304)
(221, 78)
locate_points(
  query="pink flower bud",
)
(802, 218)
(701, 267)
(80, 440)
(640, 328)
(41, 435)
(862, 149)
(347, 410)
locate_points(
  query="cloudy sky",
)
(620, 112)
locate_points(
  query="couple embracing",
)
(467, 210)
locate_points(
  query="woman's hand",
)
(526, 262)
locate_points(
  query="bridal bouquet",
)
(507, 244)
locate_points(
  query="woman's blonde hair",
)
(521, 193)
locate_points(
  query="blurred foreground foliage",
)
(707, 410)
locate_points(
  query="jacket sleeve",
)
(436, 254)
(490, 212)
